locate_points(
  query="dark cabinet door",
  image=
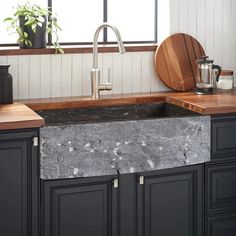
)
(85, 206)
(223, 137)
(221, 225)
(18, 184)
(170, 203)
(220, 187)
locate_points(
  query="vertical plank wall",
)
(212, 22)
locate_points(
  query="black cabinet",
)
(220, 179)
(223, 136)
(221, 225)
(170, 202)
(19, 178)
(82, 206)
(220, 187)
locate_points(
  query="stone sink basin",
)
(121, 139)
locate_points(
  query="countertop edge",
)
(19, 116)
(86, 102)
(215, 104)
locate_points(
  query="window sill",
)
(10, 51)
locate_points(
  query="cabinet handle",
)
(115, 183)
(35, 141)
(141, 180)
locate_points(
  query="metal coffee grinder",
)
(205, 79)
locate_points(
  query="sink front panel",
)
(95, 149)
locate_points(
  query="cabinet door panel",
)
(221, 187)
(13, 195)
(224, 137)
(74, 206)
(221, 225)
(171, 204)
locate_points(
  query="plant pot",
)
(38, 39)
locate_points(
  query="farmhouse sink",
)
(113, 113)
(121, 139)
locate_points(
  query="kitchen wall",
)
(212, 22)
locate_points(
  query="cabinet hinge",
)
(115, 183)
(35, 141)
(141, 180)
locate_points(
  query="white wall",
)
(45, 76)
(212, 22)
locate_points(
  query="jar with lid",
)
(226, 80)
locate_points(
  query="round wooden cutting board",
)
(175, 61)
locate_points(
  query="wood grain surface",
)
(4, 51)
(175, 61)
(215, 104)
(18, 116)
(85, 102)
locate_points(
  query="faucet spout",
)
(95, 41)
(95, 72)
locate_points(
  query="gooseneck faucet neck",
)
(96, 85)
(95, 42)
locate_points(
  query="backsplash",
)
(212, 22)
(45, 76)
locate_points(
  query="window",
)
(136, 20)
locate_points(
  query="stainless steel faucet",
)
(97, 86)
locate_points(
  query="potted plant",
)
(30, 23)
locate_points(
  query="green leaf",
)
(33, 27)
(8, 19)
(29, 22)
(40, 24)
(25, 34)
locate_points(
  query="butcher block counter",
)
(18, 116)
(218, 103)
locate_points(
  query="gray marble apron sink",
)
(121, 139)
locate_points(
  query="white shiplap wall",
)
(45, 76)
(212, 22)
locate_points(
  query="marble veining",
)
(110, 148)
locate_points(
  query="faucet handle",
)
(108, 84)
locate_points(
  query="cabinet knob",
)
(115, 183)
(141, 180)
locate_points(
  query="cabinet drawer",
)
(220, 187)
(221, 225)
(223, 136)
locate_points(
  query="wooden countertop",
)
(215, 104)
(85, 102)
(219, 103)
(18, 116)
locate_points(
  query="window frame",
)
(105, 36)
